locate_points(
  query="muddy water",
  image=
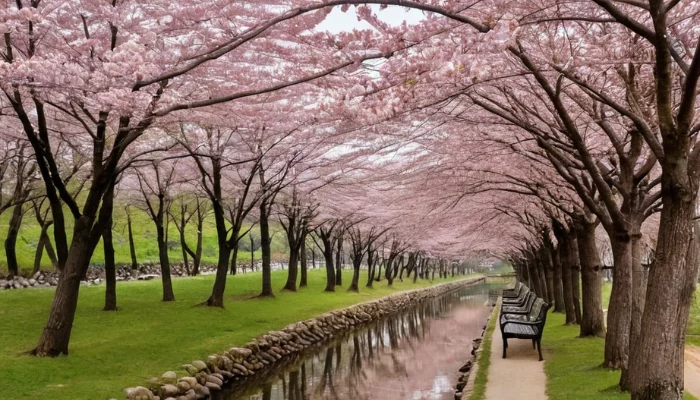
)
(409, 356)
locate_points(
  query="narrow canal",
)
(414, 355)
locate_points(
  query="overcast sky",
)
(338, 21)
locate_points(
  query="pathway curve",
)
(692, 370)
(520, 376)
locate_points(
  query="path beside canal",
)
(520, 376)
(692, 370)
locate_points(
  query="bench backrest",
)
(531, 297)
(542, 316)
(524, 292)
(535, 310)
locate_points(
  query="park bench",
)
(531, 326)
(525, 304)
(523, 315)
(523, 309)
(514, 292)
(522, 297)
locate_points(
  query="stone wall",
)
(96, 276)
(200, 377)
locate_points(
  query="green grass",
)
(693, 333)
(482, 374)
(113, 350)
(144, 241)
(573, 365)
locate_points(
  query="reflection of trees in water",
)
(348, 368)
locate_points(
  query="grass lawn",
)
(572, 364)
(113, 350)
(482, 374)
(693, 335)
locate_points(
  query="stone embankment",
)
(202, 377)
(96, 276)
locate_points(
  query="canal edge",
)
(202, 377)
(479, 363)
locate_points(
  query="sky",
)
(338, 21)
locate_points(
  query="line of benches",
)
(522, 316)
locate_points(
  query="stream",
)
(412, 355)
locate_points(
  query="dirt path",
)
(692, 370)
(520, 376)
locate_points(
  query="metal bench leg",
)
(505, 346)
(539, 348)
(534, 342)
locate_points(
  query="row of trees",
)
(517, 129)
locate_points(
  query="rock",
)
(466, 367)
(97, 281)
(37, 275)
(139, 393)
(169, 391)
(212, 386)
(213, 379)
(169, 377)
(191, 395)
(32, 282)
(16, 285)
(53, 282)
(199, 364)
(183, 386)
(202, 391)
(189, 380)
(191, 369)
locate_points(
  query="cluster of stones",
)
(202, 377)
(39, 279)
(466, 371)
(96, 276)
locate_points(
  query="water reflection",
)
(413, 355)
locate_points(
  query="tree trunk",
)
(132, 247)
(216, 299)
(354, 285)
(338, 262)
(292, 271)
(197, 260)
(266, 251)
(656, 366)
(575, 275)
(330, 269)
(234, 260)
(302, 256)
(389, 270)
(370, 274)
(183, 241)
(620, 307)
(44, 244)
(110, 270)
(639, 285)
(11, 240)
(593, 322)
(378, 272)
(168, 294)
(559, 304)
(56, 334)
(534, 275)
(548, 273)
